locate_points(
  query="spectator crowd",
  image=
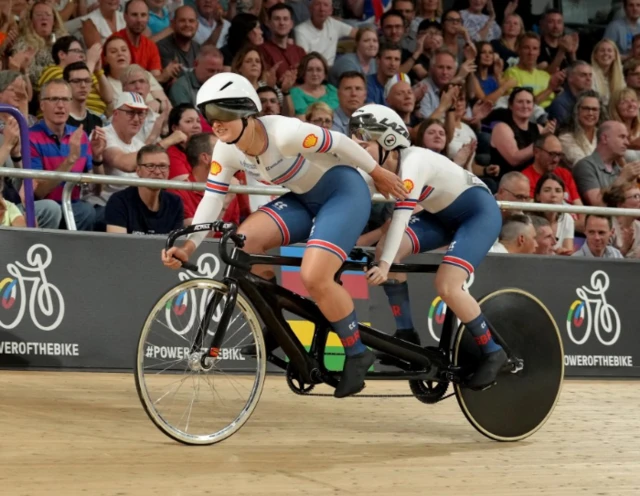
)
(109, 87)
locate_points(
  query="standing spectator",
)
(212, 27)
(278, 51)
(518, 236)
(481, 27)
(56, 146)
(79, 78)
(598, 230)
(102, 23)
(244, 30)
(208, 62)
(363, 60)
(352, 93)
(545, 238)
(579, 136)
(551, 189)
(621, 31)
(388, 62)
(602, 168)
(322, 32)
(579, 79)
(142, 209)
(312, 84)
(180, 45)
(514, 187)
(626, 230)
(557, 50)
(607, 69)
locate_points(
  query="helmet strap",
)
(244, 127)
(382, 155)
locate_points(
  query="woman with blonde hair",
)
(39, 31)
(607, 69)
(362, 60)
(320, 114)
(624, 107)
(505, 47)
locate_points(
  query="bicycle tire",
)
(258, 383)
(519, 404)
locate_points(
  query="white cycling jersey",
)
(434, 182)
(296, 156)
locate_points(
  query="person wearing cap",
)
(57, 146)
(123, 144)
(388, 64)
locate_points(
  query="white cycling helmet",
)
(227, 97)
(375, 122)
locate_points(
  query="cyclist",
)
(328, 205)
(458, 211)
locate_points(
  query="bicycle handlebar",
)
(228, 230)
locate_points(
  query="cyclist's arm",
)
(309, 140)
(414, 176)
(224, 164)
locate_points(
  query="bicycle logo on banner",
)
(185, 305)
(45, 301)
(592, 313)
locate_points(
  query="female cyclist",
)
(459, 211)
(328, 206)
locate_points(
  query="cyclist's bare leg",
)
(262, 235)
(318, 269)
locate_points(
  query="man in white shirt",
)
(209, 15)
(321, 33)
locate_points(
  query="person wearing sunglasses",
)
(328, 205)
(459, 212)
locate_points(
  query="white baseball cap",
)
(131, 100)
(392, 82)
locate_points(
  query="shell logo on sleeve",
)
(310, 141)
(408, 185)
(216, 168)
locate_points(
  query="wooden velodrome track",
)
(65, 433)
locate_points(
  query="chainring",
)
(295, 382)
(428, 392)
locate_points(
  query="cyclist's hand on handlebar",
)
(168, 257)
(378, 275)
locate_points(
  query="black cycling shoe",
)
(409, 335)
(487, 371)
(353, 374)
(269, 341)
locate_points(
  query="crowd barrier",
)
(78, 300)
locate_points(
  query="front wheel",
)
(190, 396)
(521, 401)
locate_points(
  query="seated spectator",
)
(363, 60)
(507, 46)
(545, 238)
(631, 71)
(180, 45)
(56, 146)
(623, 107)
(117, 58)
(551, 189)
(321, 32)
(184, 120)
(388, 61)
(598, 231)
(513, 187)
(320, 114)
(517, 236)
(512, 141)
(602, 168)
(160, 18)
(438, 98)
(102, 23)
(142, 209)
(68, 50)
(213, 29)
(431, 34)
(278, 51)
(579, 76)
(557, 49)
(607, 70)
(621, 31)
(39, 30)
(352, 93)
(578, 138)
(481, 27)
(79, 78)
(489, 82)
(312, 84)
(244, 31)
(527, 74)
(426, 10)
(455, 36)
(432, 135)
(269, 100)
(399, 96)
(393, 28)
(185, 89)
(407, 9)
(10, 214)
(626, 230)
